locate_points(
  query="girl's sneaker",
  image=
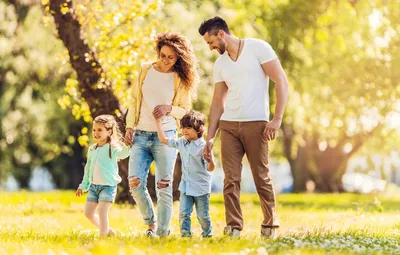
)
(111, 232)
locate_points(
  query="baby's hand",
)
(78, 192)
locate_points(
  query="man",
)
(240, 109)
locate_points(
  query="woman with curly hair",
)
(164, 89)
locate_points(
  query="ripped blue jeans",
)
(146, 149)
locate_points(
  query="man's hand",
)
(271, 128)
(78, 192)
(161, 110)
(208, 154)
(129, 134)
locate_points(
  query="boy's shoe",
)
(150, 233)
(267, 232)
(185, 233)
(232, 233)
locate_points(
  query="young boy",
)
(195, 186)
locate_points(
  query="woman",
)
(164, 87)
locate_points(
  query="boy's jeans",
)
(202, 204)
(146, 148)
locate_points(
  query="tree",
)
(34, 130)
(338, 103)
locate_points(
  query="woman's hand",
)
(161, 110)
(129, 134)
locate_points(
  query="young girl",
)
(101, 171)
(195, 186)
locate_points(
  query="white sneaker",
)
(150, 233)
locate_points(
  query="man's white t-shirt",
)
(158, 89)
(247, 98)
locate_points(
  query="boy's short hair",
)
(195, 120)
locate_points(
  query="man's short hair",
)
(213, 25)
(195, 120)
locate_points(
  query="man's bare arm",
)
(216, 111)
(276, 73)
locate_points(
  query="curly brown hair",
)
(195, 120)
(186, 64)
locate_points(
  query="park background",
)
(63, 62)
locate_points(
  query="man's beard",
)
(221, 48)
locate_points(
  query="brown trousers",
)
(238, 138)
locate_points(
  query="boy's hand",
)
(156, 117)
(211, 162)
(78, 192)
(210, 157)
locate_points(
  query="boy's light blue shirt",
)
(108, 166)
(196, 179)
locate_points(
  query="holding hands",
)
(161, 110)
(129, 134)
(209, 155)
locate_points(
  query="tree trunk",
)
(95, 89)
(325, 168)
(300, 171)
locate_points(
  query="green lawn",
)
(53, 223)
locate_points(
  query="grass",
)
(53, 223)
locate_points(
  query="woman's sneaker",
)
(150, 233)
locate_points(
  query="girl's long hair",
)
(186, 65)
(116, 138)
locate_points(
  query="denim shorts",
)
(99, 193)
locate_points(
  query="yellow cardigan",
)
(181, 103)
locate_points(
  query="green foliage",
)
(121, 33)
(341, 58)
(34, 129)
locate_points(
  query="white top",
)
(158, 89)
(97, 175)
(247, 98)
